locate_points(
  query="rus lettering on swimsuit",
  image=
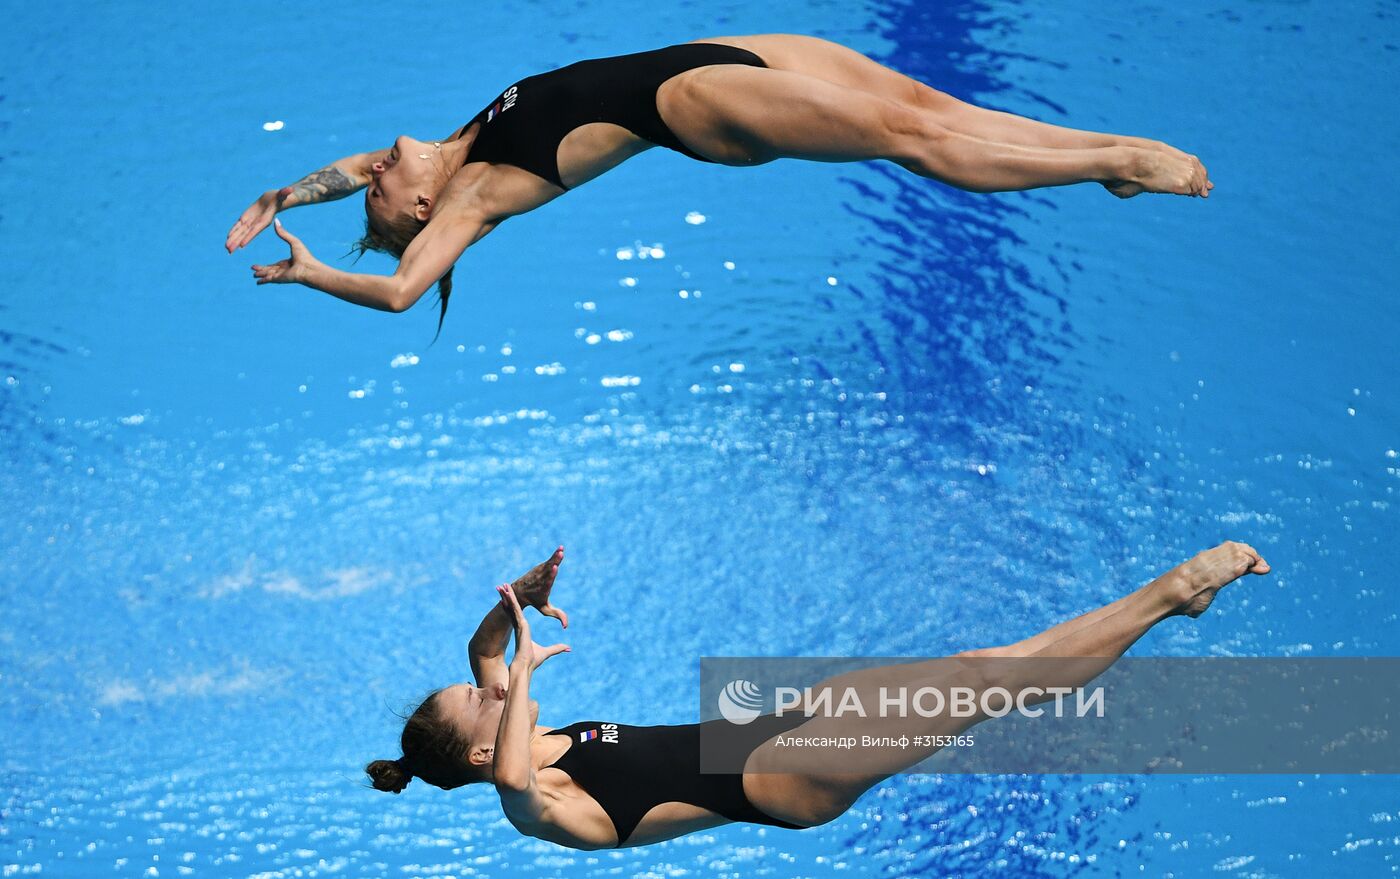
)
(505, 103)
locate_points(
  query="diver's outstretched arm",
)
(473, 203)
(513, 773)
(427, 259)
(335, 181)
(487, 648)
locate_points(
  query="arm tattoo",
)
(327, 184)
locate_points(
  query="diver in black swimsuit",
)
(730, 100)
(630, 770)
(526, 124)
(602, 784)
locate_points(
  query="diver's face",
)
(401, 180)
(475, 713)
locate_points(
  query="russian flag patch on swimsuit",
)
(588, 735)
(505, 103)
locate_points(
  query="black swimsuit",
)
(525, 125)
(631, 769)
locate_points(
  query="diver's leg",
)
(741, 115)
(844, 66)
(1157, 596)
(1088, 644)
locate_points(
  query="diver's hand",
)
(532, 589)
(528, 655)
(286, 271)
(253, 221)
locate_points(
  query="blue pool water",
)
(801, 409)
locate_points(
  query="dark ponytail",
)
(432, 751)
(389, 775)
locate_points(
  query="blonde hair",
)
(393, 238)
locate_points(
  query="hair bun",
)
(389, 775)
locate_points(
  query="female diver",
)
(636, 785)
(728, 100)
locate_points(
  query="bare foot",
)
(1192, 585)
(532, 588)
(1182, 155)
(541, 576)
(1166, 170)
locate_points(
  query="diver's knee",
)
(914, 139)
(982, 672)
